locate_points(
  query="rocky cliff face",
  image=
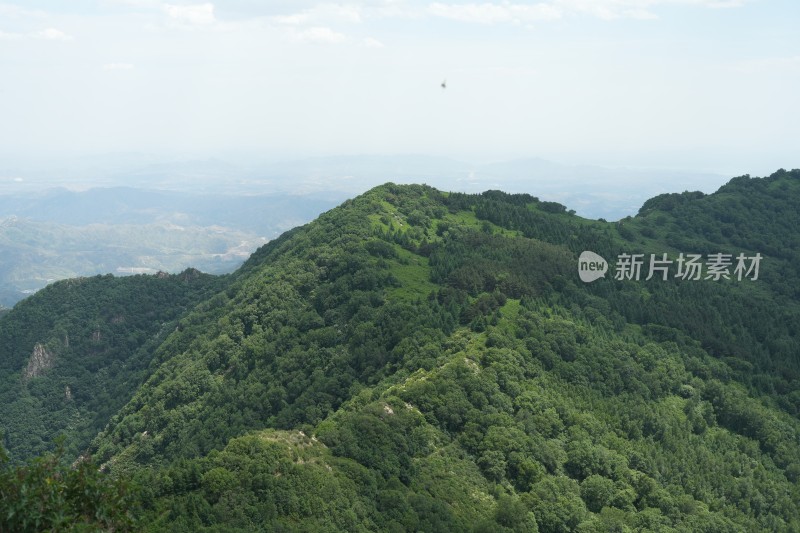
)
(40, 361)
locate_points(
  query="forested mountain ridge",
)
(422, 361)
(74, 353)
(753, 326)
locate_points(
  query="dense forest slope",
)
(74, 353)
(421, 361)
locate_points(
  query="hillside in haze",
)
(592, 191)
(414, 360)
(59, 234)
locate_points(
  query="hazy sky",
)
(701, 84)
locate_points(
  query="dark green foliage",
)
(380, 437)
(420, 361)
(752, 325)
(45, 495)
(100, 334)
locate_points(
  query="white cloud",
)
(194, 15)
(641, 9)
(608, 9)
(768, 64)
(371, 42)
(720, 3)
(291, 20)
(12, 11)
(490, 13)
(322, 14)
(314, 24)
(49, 34)
(350, 14)
(519, 13)
(319, 35)
(52, 34)
(118, 66)
(144, 4)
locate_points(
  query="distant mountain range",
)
(593, 191)
(58, 233)
(267, 215)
